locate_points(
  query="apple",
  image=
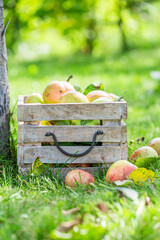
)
(68, 86)
(102, 100)
(113, 96)
(34, 98)
(73, 97)
(53, 92)
(78, 176)
(155, 144)
(97, 94)
(119, 170)
(143, 152)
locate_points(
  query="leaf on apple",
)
(146, 162)
(38, 167)
(93, 87)
(141, 175)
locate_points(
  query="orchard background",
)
(113, 42)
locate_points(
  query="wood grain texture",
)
(124, 151)
(69, 133)
(62, 172)
(123, 132)
(50, 154)
(72, 111)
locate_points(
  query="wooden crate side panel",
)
(20, 155)
(20, 100)
(72, 111)
(123, 132)
(31, 134)
(124, 151)
(50, 154)
(62, 172)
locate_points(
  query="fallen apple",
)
(78, 176)
(119, 170)
(155, 144)
(143, 152)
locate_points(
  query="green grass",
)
(31, 207)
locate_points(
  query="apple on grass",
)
(78, 176)
(155, 144)
(119, 170)
(143, 152)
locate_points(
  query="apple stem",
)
(68, 79)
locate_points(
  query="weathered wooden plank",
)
(72, 111)
(20, 156)
(111, 123)
(123, 132)
(69, 133)
(50, 154)
(62, 172)
(20, 99)
(124, 152)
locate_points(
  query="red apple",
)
(78, 176)
(155, 144)
(119, 170)
(143, 152)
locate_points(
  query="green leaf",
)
(92, 87)
(146, 162)
(38, 167)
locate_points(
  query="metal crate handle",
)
(76, 154)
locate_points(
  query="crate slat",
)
(72, 111)
(30, 134)
(62, 172)
(50, 154)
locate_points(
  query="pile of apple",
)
(120, 170)
(63, 92)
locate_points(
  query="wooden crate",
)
(112, 145)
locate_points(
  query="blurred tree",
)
(82, 22)
(4, 89)
(13, 34)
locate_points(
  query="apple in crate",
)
(143, 152)
(68, 86)
(102, 100)
(155, 144)
(119, 170)
(53, 91)
(73, 97)
(34, 98)
(78, 176)
(97, 94)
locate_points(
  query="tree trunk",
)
(121, 27)
(4, 89)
